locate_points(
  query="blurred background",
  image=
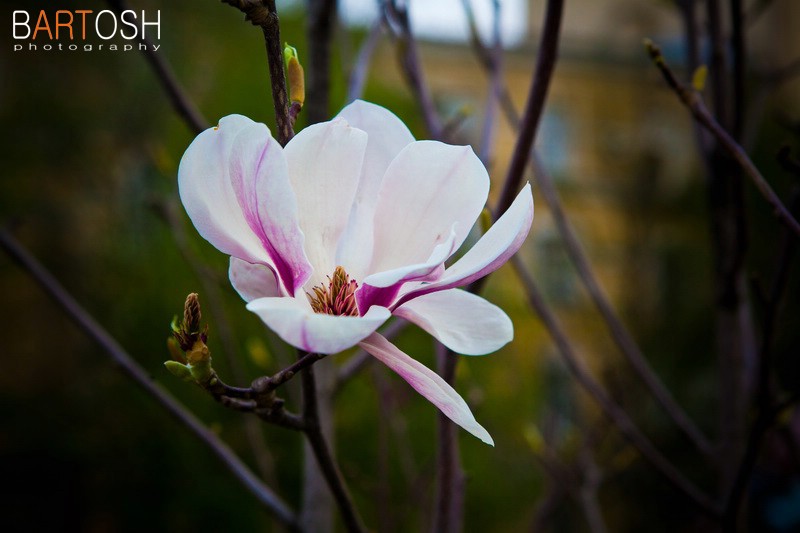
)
(90, 152)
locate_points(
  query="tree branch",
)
(169, 82)
(545, 64)
(610, 408)
(622, 337)
(271, 501)
(325, 460)
(263, 13)
(695, 105)
(618, 331)
(358, 72)
(411, 67)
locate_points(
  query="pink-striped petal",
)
(426, 382)
(427, 187)
(294, 321)
(324, 168)
(381, 288)
(260, 179)
(253, 281)
(208, 196)
(496, 247)
(387, 137)
(462, 321)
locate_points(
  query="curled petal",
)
(387, 137)
(324, 167)
(294, 321)
(427, 187)
(496, 247)
(381, 288)
(460, 320)
(253, 281)
(426, 382)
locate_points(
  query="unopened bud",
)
(191, 314)
(187, 347)
(295, 76)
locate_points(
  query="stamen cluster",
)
(338, 298)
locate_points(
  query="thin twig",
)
(271, 501)
(622, 337)
(325, 460)
(169, 82)
(358, 72)
(167, 210)
(493, 64)
(448, 516)
(545, 64)
(764, 404)
(610, 408)
(619, 332)
(263, 13)
(412, 67)
(698, 109)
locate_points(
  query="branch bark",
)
(264, 14)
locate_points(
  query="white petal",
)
(324, 167)
(492, 250)
(427, 187)
(426, 382)
(462, 321)
(234, 185)
(207, 193)
(296, 323)
(252, 281)
(387, 137)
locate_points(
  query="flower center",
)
(338, 298)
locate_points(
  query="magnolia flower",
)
(348, 224)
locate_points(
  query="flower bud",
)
(294, 75)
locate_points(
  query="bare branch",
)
(408, 56)
(271, 501)
(610, 408)
(263, 13)
(448, 516)
(358, 73)
(545, 64)
(169, 82)
(209, 281)
(322, 452)
(622, 337)
(698, 109)
(765, 406)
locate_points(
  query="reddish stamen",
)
(338, 298)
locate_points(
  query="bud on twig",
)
(191, 357)
(295, 75)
